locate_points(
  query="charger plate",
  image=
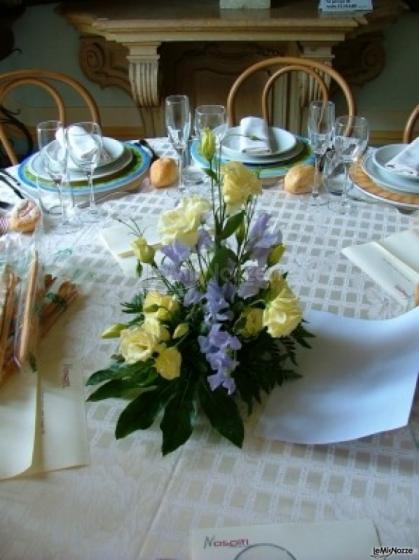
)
(365, 184)
(265, 171)
(122, 180)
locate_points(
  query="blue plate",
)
(265, 171)
(138, 165)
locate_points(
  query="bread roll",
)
(163, 172)
(24, 216)
(299, 179)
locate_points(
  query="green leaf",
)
(120, 370)
(134, 306)
(211, 174)
(176, 424)
(220, 260)
(139, 269)
(222, 412)
(117, 388)
(139, 414)
(232, 224)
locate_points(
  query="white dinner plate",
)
(121, 180)
(384, 154)
(265, 171)
(36, 168)
(282, 141)
(264, 160)
(394, 183)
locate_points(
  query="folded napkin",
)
(255, 139)
(406, 161)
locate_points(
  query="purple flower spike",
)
(254, 282)
(176, 252)
(204, 240)
(219, 379)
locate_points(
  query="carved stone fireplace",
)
(151, 49)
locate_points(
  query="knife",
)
(5, 177)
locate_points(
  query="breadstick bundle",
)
(8, 284)
(27, 317)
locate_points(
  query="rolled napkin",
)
(255, 139)
(82, 144)
(406, 161)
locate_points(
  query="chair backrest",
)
(48, 81)
(410, 125)
(319, 73)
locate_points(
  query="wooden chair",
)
(48, 81)
(318, 72)
(410, 125)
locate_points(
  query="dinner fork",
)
(6, 178)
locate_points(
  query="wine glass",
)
(321, 117)
(84, 140)
(212, 117)
(178, 127)
(350, 139)
(54, 161)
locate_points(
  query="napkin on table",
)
(82, 144)
(406, 161)
(255, 127)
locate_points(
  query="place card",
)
(345, 5)
(339, 540)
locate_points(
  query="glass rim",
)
(176, 98)
(210, 108)
(344, 119)
(50, 124)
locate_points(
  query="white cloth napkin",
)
(82, 144)
(250, 129)
(406, 161)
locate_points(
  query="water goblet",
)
(350, 140)
(321, 117)
(178, 127)
(84, 140)
(212, 117)
(54, 161)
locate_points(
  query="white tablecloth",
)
(130, 503)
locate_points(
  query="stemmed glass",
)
(350, 139)
(84, 140)
(212, 117)
(178, 127)
(54, 161)
(321, 117)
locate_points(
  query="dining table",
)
(131, 503)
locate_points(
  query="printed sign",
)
(345, 5)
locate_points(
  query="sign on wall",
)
(345, 5)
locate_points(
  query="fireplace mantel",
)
(151, 48)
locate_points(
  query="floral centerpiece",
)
(224, 329)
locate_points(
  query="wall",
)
(46, 40)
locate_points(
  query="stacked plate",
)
(286, 150)
(375, 166)
(121, 168)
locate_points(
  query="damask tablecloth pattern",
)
(130, 503)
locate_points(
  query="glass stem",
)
(180, 169)
(315, 189)
(59, 186)
(344, 197)
(92, 200)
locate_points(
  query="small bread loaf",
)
(24, 216)
(299, 179)
(163, 172)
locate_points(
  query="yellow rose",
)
(168, 362)
(167, 305)
(239, 183)
(142, 250)
(153, 326)
(207, 144)
(182, 223)
(181, 330)
(282, 313)
(137, 344)
(253, 325)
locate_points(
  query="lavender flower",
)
(176, 251)
(261, 239)
(254, 282)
